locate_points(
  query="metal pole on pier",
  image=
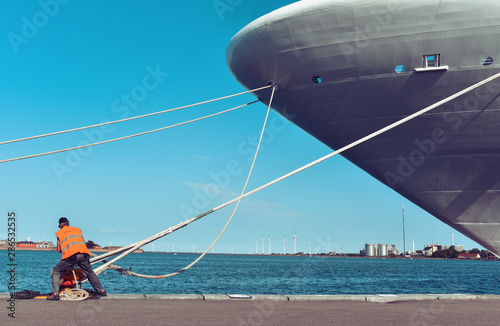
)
(404, 242)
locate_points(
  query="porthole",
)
(487, 61)
(400, 69)
(317, 79)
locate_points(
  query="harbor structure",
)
(379, 250)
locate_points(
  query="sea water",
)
(255, 274)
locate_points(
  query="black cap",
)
(63, 220)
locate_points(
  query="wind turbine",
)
(295, 243)
(256, 246)
(262, 245)
(270, 244)
(309, 248)
(284, 244)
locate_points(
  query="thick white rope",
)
(101, 268)
(74, 295)
(125, 137)
(370, 136)
(136, 245)
(129, 119)
(232, 214)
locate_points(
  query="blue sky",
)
(67, 64)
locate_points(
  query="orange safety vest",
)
(70, 241)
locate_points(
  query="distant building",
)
(45, 244)
(458, 248)
(96, 247)
(429, 250)
(469, 256)
(393, 250)
(111, 247)
(25, 244)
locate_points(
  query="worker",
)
(74, 252)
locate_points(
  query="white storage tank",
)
(370, 249)
(384, 250)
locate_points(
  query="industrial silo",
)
(384, 250)
(370, 249)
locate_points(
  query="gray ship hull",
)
(348, 68)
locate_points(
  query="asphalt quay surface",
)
(217, 309)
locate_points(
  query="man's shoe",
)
(102, 293)
(53, 296)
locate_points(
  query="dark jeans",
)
(81, 260)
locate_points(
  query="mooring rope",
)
(132, 247)
(103, 267)
(125, 137)
(131, 118)
(232, 214)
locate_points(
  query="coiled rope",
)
(74, 295)
(132, 247)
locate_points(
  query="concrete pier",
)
(220, 309)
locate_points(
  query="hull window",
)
(401, 69)
(487, 61)
(431, 60)
(317, 79)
